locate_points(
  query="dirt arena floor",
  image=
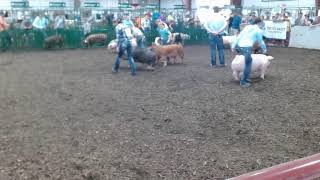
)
(65, 116)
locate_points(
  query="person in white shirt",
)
(216, 27)
(146, 24)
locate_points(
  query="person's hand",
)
(264, 51)
(214, 33)
(233, 50)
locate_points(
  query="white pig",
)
(113, 45)
(227, 40)
(260, 63)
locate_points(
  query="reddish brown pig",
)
(168, 51)
(99, 38)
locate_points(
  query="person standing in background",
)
(299, 20)
(164, 33)
(6, 42)
(235, 24)
(59, 23)
(146, 24)
(216, 27)
(41, 23)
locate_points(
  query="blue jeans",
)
(147, 32)
(43, 33)
(216, 42)
(246, 52)
(125, 46)
(140, 42)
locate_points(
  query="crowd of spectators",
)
(148, 21)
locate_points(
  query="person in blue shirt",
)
(244, 42)
(235, 24)
(164, 33)
(216, 26)
(124, 35)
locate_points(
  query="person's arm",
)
(235, 42)
(207, 28)
(117, 32)
(237, 39)
(223, 28)
(261, 42)
(314, 25)
(3, 23)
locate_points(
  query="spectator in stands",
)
(307, 21)
(288, 23)
(164, 32)
(170, 17)
(268, 14)
(155, 16)
(277, 17)
(41, 23)
(316, 22)
(171, 26)
(110, 19)
(59, 22)
(6, 42)
(138, 34)
(27, 22)
(19, 16)
(235, 24)
(146, 24)
(291, 19)
(252, 17)
(87, 26)
(186, 19)
(299, 20)
(216, 26)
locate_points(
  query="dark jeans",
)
(123, 47)
(246, 52)
(140, 42)
(147, 32)
(216, 42)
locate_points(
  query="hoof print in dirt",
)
(167, 120)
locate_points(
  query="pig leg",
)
(150, 68)
(236, 75)
(263, 71)
(182, 56)
(165, 63)
(174, 60)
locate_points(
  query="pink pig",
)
(260, 63)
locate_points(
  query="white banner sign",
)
(275, 30)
